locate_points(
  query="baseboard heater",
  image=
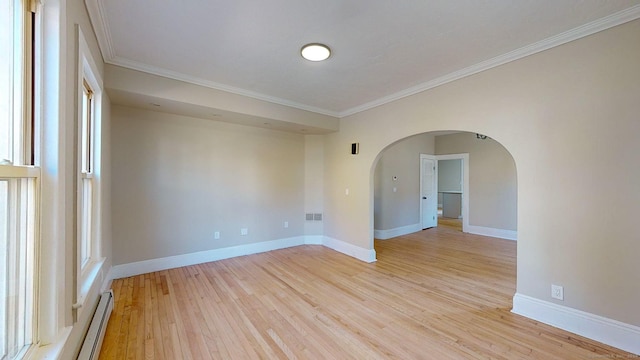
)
(93, 341)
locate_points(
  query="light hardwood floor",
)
(435, 294)
(455, 224)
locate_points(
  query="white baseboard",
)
(611, 332)
(170, 262)
(493, 232)
(399, 231)
(366, 255)
(313, 239)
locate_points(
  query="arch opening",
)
(488, 188)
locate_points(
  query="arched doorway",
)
(487, 184)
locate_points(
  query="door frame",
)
(465, 185)
(435, 174)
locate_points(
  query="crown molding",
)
(101, 28)
(593, 27)
(100, 24)
(135, 65)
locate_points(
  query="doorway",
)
(397, 197)
(453, 190)
(428, 191)
(433, 195)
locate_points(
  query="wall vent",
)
(313, 216)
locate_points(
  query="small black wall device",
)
(355, 148)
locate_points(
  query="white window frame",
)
(23, 197)
(88, 180)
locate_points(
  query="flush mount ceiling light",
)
(315, 52)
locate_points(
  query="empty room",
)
(313, 180)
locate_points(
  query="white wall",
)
(400, 208)
(493, 186)
(177, 180)
(569, 117)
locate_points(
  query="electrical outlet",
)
(216, 235)
(557, 292)
(244, 231)
(286, 224)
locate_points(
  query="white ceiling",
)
(382, 49)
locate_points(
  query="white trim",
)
(434, 186)
(399, 231)
(608, 331)
(171, 262)
(100, 25)
(54, 349)
(591, 28)
(135, 65)
(107, 279)
(313, 239)
(493, 232)
(86, 274)
(19, 171)
(366, 255)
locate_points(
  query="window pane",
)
(85, 236)
(6, 75)
(16, 262)
(86, 129)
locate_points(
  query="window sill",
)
(88, 279)
(52, 350)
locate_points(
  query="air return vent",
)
(313, 216)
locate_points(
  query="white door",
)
(428, 191)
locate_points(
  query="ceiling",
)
(382, 50)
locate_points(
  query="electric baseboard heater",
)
(93, 340)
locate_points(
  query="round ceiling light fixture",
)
(315, 52)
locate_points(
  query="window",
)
(86, 176)
(88, 157)
(18, 180)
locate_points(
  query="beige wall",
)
(450, 175)
(313, 178)
(402, 159)
(492, 179)
(177, 180)
(569, 118)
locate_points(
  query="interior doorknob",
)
(424, 198)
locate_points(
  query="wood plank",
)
(437, 293)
